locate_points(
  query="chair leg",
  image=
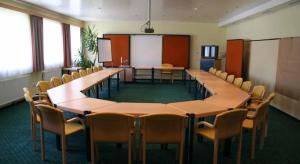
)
(42, 144)
(266, 125)
(181, 147)
(144, 152)
(216, 150)
(240, 148)
(262, 135)
(92, 152)
(129, 151)
(253, 142)
(97, 152)
(133, 147)
(33, 133)
(160, 77)
(63, 148)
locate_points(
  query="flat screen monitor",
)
(209, 51)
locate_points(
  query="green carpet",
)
(282, 146)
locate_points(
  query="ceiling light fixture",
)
(147, 26)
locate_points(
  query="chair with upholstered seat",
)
(89, 71)
(210, 70)
(43, 86)
(230, 78)
(82, 73)
(238, 82)
(113, 128)
(227, 125)
(52, 120)
(55, 81)
(163, 129)
(66, 78)
(246, 86)
(218, 73)
(75, 75)
(255, 120)
(97, 68)
(166, 70)
(34, 117)
(257, 95)
(223, 75)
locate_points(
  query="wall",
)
(276, 24)
(201, 33)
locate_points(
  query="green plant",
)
(83, 60)
(89, 41)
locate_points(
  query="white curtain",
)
(53, 44)
(75, 42)
(15, 43)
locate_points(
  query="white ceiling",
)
(169, 10)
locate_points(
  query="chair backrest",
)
(75, 75)
(223, 75)
(261, 111)
(166, 65)
(66, 78)
(55, 81)
(82, 73)
(238, 82)
(52, 119)
(28, 98)
(214, 71)
(89, 70)
(246, 86)
(271, 97)
(230, 78)
(229, 123)
(218, 73)
(97, 68)
(258, 91)
(211, 69)
(163, 128)
(110, 127)
(43, 86)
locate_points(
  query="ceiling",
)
(163, 10)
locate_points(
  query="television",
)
(210, 51)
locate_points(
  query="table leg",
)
(58, 142)
(87, 139)
(134, 73)
(190, 79)
(184, 77)
(196, 89)
(108, 87)
(118, 81)
(97, 90)
(189, 157)
(152, 75)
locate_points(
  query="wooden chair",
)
(246, 86)
(75, 75)
(34, 117)
(52, 120)
(55, 81)
(238, 82)
(257, 94)
(218, 73)
(258, 119)
(211, 69)
(43, 86)
(223, 75)
(166, 71)
(111, 127)
(66, 78)
(230, 78)
(227, 124)
(97, 68)
(82, 73)
(163, 129)
(89, 71)
(214, 71)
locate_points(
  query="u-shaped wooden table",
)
(224, 96)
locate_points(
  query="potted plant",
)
(83, 60)
(89, 41)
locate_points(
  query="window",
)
(75, 42)
(15, 41)
(53, 44)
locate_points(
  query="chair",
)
(35, 118)
(52, 120)
(163, 129)
(82, 73)
(89, 71)
(211, 69)
(257, 94)
(55, 81)
(238, 82)
(258, 119)
(43, 86)
(223, 75)
(246, 86)
(75, 75)
(214, 71)
(111, 127)
(97, 68)
(218, 73)
(230, 78)
(66, 78)
(166, 70)
(227, 124)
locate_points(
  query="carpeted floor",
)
(282, 146)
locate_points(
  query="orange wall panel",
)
(176, 50)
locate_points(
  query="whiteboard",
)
(146, 50)
(263, 62)
(104, 50)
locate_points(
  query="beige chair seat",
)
(208, 133)
(250, 114)
(72, 127)
(253, 105)
(248, 124)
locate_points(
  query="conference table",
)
(224, 96)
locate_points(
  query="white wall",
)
(201, 33)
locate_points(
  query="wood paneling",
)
(234, 57)
(120, 45)
(176, 50)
